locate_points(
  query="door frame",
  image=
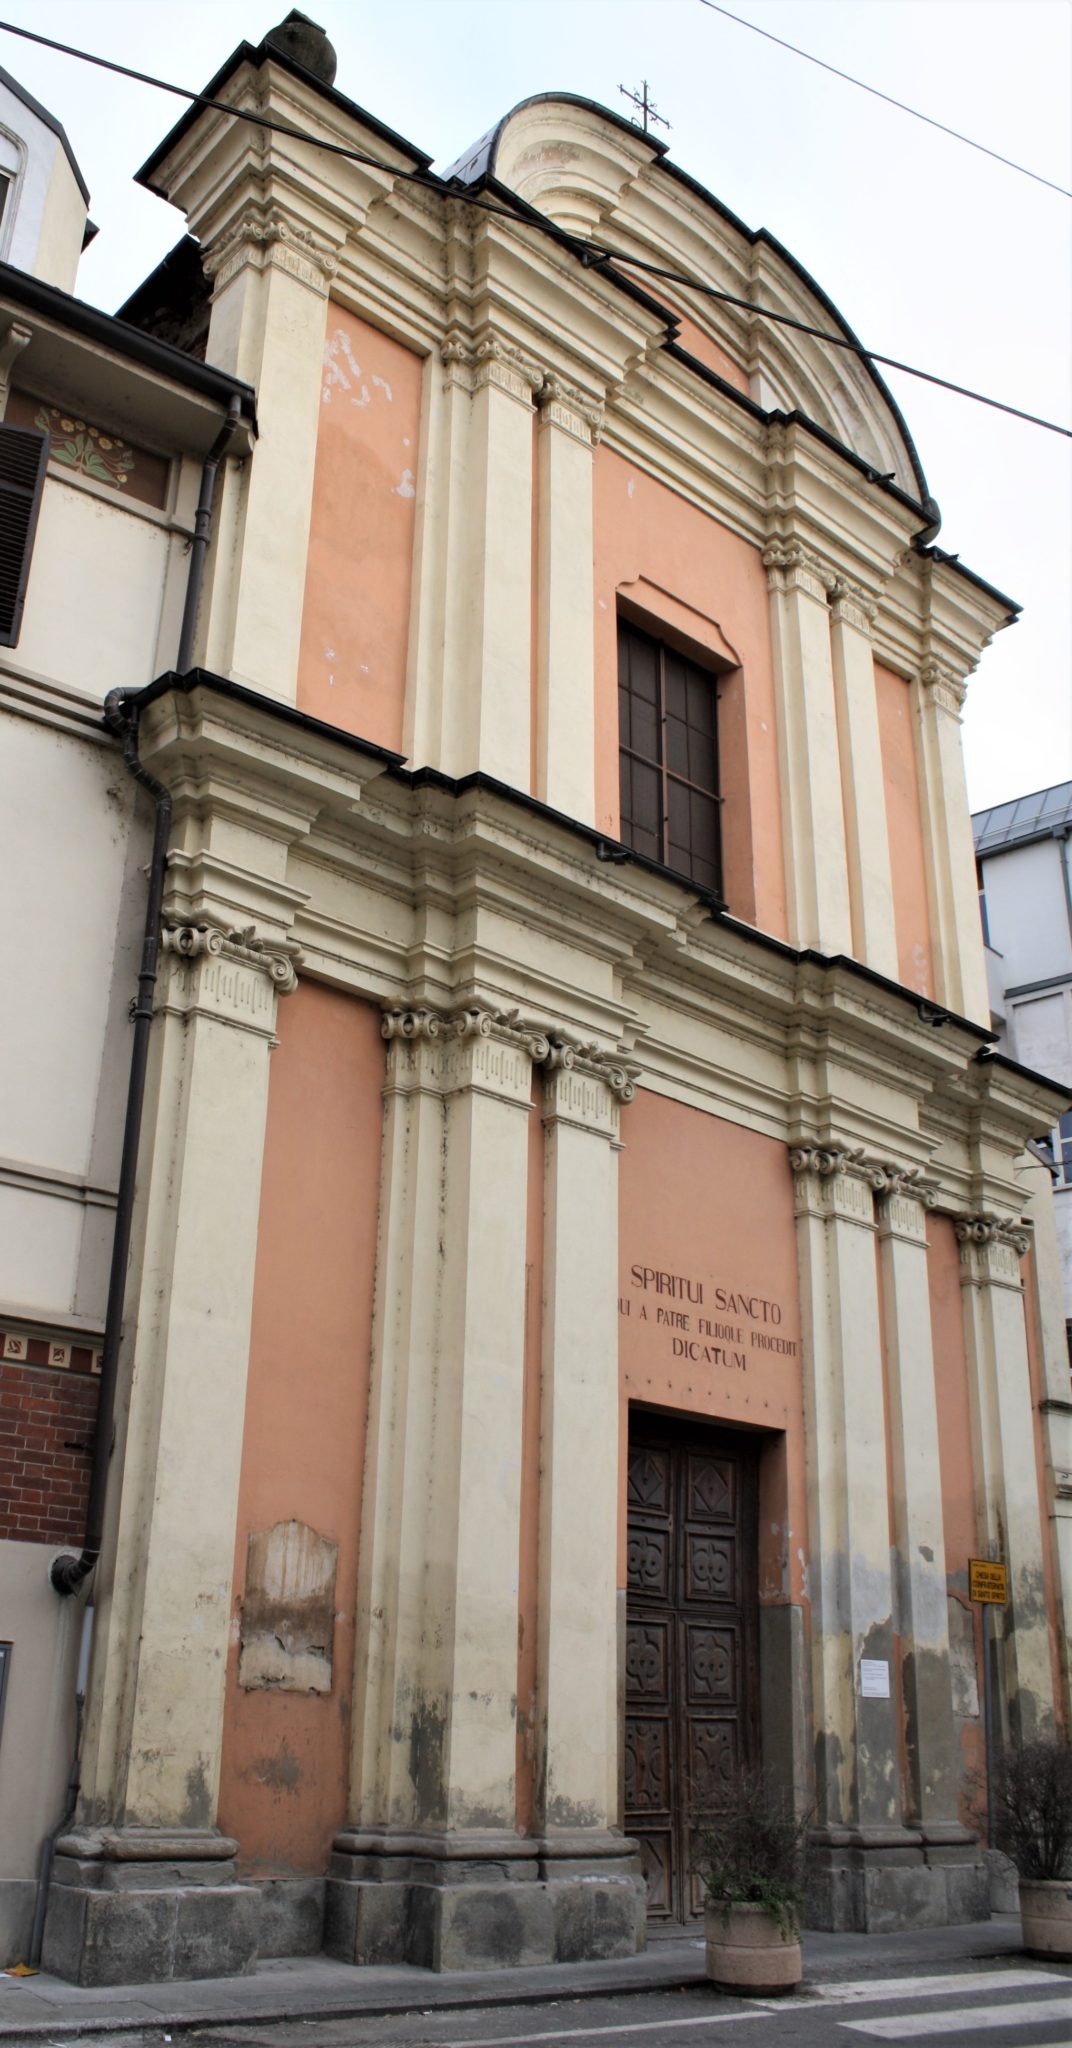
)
(674, 1428)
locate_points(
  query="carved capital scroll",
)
(263, 236)
(791, 566)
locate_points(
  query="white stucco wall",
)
(76, 628)
(37, 1737)
(1026, 912)
(45, 215)
(67, 808)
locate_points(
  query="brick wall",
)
(47, 1415)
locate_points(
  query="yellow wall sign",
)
(988, 1582)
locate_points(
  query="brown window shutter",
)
(23, 461)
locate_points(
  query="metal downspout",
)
(202, 534)
(67, 1573)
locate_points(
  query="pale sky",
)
(932, 252)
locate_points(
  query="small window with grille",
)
(668, 737)
(23, 461)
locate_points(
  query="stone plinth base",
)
(482, 1901)
(145, 1905)
(877, 1880)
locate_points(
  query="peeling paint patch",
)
(288, 1611)
(341, 368)
(405, 489)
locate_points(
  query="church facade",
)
(588, 1295)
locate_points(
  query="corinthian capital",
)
(943, 686)
(792, 566)
(263, 235)
(562, 405)
(490, 361)
(851, 606)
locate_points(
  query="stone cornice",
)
(739, 1027)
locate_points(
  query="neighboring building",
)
(1025, 892)
(588, 1293)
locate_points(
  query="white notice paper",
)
(874, 1678)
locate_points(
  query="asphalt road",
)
(1015, 2005)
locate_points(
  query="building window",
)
(1062, 1150)
(23, 461)
(668, 734)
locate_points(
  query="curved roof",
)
(480, 165)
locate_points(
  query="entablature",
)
(410, 889)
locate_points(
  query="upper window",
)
(668, 733)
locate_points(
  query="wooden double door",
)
(692, 1692)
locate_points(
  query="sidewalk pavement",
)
(42, 2008)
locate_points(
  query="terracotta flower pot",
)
(747, 1952)
(1046, 1914)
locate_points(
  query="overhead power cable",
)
(1008, 161)
(591, 254)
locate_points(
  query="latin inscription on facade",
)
(706, 1321)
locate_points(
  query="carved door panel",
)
(691, 1626)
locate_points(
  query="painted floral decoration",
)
(86, 448)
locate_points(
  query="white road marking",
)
(920, 2026)
(875, 1990)
(721, 2019)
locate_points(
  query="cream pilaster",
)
(486, 502)
(1003, 1453)
(1043, 1278)
(862, 787)
(154, 1736)
(435, 1709)
(577, 1708)
(848, 1496)
(948, 848)
(814, 828)
(271, 277)
(931, 1750)
(565, 643)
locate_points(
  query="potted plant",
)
(751, 1855)
(1033, 1825)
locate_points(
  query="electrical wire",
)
(592, 255)
(1008, 161)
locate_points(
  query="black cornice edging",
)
(240, 693)
(91, 324)
(1062, 1090)
(256, 54)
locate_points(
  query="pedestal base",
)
(144, 1906)
(482, 1901)
(878, 1880)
